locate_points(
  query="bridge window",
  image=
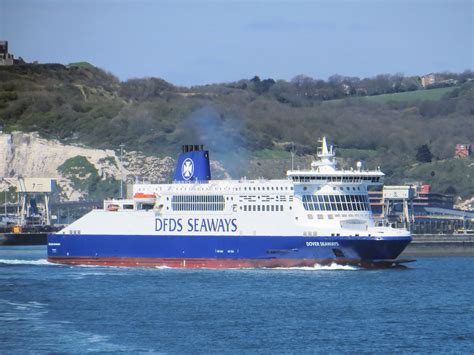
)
(335, 203)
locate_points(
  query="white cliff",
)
(29, 155)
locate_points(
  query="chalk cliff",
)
(29, 155)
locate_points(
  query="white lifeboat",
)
(146, 198)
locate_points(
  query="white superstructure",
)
(321, 201)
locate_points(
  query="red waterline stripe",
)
(198, 263)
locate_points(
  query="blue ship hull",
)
(222, 251)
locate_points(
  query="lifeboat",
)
(17, 229)
(145, 198)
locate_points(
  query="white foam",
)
(316, 267)
(306, 268)
(92, 274)
(26, 262)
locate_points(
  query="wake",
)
(26, 262)
(331, 267)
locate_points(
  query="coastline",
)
(440, 245)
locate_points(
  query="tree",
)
(261, 87)
(450, 190)
(423, 154)
(255, 79)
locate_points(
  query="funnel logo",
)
(187, 169)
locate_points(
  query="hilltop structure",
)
(8, 58)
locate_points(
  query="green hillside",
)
(250, 125)
(403, 97)
(81, 65)
(428, 94)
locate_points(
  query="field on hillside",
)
(426, 94)
(408, 96)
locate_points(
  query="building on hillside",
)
(462, 150)
(428, 79)
(437, 80)
(361, 92)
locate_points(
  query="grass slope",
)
(406, 97)
(428, 94)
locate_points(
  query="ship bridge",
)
(325, 170)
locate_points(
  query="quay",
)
(440, 245)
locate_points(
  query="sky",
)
(202, 42)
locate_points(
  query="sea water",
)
(46, 308)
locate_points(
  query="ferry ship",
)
(317, 216)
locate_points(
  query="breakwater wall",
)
(440, 244)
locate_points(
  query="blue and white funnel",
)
(193, 165)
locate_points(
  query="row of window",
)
(263, 208)
(336, 203)
(265, 198)
(268, 188)
(198, 203)
(347, 179)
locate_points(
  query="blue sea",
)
(48, 308)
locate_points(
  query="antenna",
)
(292, 156)
(121, 170)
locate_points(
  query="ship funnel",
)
(193, 165)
